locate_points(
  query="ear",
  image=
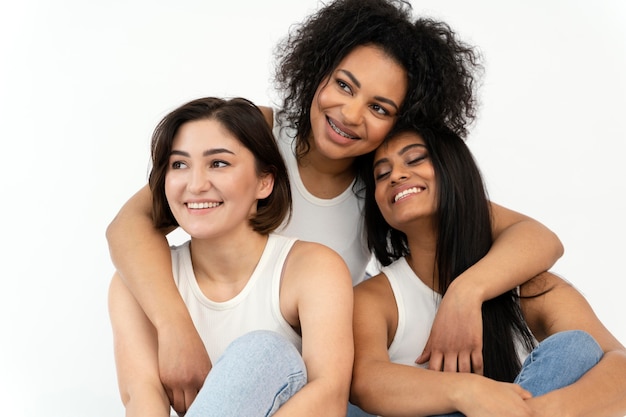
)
(265, 186)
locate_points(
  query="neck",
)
(223, 266)
(324, 177)
(422, 255)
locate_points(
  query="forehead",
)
(205, 132)
(398, 142)
(371, 61)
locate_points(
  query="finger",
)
(450, 363)
(190, 396)
(436, 361)
(178, 401)
(170, 394)
(423, 358)
(464, 362)
(478, 366)
(426, 353)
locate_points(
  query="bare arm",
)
(317, 288)
(385, 388)
(600, 392)
(522, 248)
(142, 257)
(135, 355)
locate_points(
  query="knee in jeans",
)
(576, 344)
(266, 343)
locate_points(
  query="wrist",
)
(467, 291)
(459, 395)
(554, 404)
(174, 318)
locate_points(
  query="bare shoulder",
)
(315, 283)
(312, 266)
(376, 287)
(268, 113)
(375, 315)
(542, 285)
(311, 258)
(551, 304)
(375, 293)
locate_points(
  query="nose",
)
(198, 181)
(352, 112)
(398, 175)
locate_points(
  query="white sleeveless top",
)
(256, 307)
(417, 306)
(337, 222)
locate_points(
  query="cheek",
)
(380, 200)
(322, 98)
(377, 132)
(324, 95)
(171, 186)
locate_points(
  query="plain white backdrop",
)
(82, 85)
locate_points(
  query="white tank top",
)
(336, 222)
(256, 307)
(417, 306)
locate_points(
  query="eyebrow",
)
(208, 152)
(400, 152)
(358, 84)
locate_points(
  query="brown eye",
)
(379, 109)
(219, 164)
(344, 86)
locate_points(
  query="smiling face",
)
(405, 181)
(211, 183)
(356, 106)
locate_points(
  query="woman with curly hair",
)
(348, 73)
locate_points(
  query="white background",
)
(82, 85)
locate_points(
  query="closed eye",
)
(418, 160)
(381, 176)
(381, 172)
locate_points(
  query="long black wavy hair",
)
(463, 224)
(441, 69)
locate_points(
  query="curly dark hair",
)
(441, 69)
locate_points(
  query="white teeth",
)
(339, 131)
(402, 194)
(204, 205)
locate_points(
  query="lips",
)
(346, 133)
(405, 193)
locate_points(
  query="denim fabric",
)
(559, 361)
(354, 411)
(257, 373)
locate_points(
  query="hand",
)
(547, 405)
(489, 398)
(455, 342)
(183, 365)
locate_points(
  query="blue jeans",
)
(558, 361)
(257, 373)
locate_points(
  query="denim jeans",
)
(257, 373)
(558, 361)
